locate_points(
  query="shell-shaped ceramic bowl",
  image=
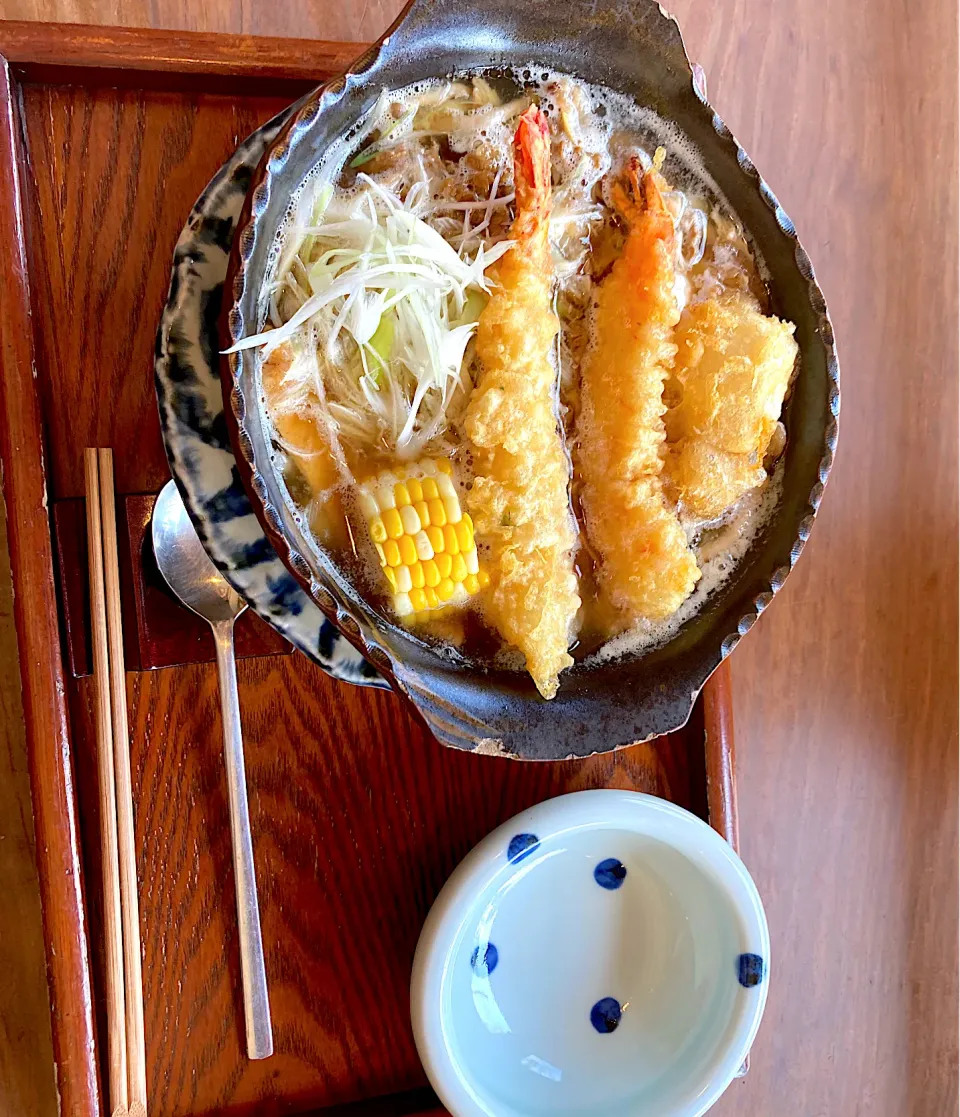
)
(633, 47)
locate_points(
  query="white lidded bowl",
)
(602, 952)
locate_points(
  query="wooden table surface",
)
(846, 691)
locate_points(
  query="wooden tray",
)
(106, 139)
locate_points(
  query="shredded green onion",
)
(390, 309)
(373, 149)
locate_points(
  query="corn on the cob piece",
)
(424, 540)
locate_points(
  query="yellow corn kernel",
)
(368, 506)
(424, 546)
(418, 599)
(435, 535)
(464, 536)
(404, 580)
(408, 550)
(468, 520)
(484, 579)
(378, 533)
(424, 540)
(402, 606)
(391, 552)
(384, 497)
(409, 519)
(393, 523)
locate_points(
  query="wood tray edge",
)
(35, 49)
(38, 637)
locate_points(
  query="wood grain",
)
(136, 1098)
(159, 631)
(26, 1052)
(846, 692)
(846, 689)
(111, 932)
(343, 20)
(38, 641)
(79, 137)
(80, 47)
(342, 901)
(722, 767)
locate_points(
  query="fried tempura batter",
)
(732, 370)
(645, 563)
(306, 447)
(519, 499)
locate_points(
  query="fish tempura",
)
(732, 371)
(519, 499)
(644, 561)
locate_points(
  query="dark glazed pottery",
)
(631, 46)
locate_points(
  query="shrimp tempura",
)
(644, 562)
(519, 499)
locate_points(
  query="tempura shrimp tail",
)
(640, 203)
(644, 561)
(519, 499)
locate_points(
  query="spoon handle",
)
(256, 1004)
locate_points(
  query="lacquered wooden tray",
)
(106, 139)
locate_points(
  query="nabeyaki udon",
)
(522, 384)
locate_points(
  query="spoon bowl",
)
(185, 565)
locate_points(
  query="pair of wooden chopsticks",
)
(121, 910)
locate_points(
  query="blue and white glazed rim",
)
(187, 378)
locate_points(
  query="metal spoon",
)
(194, 579)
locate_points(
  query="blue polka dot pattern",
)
(521, 845)
(605, 1015)
(750, 970)
(610, 873)
(484, 959)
